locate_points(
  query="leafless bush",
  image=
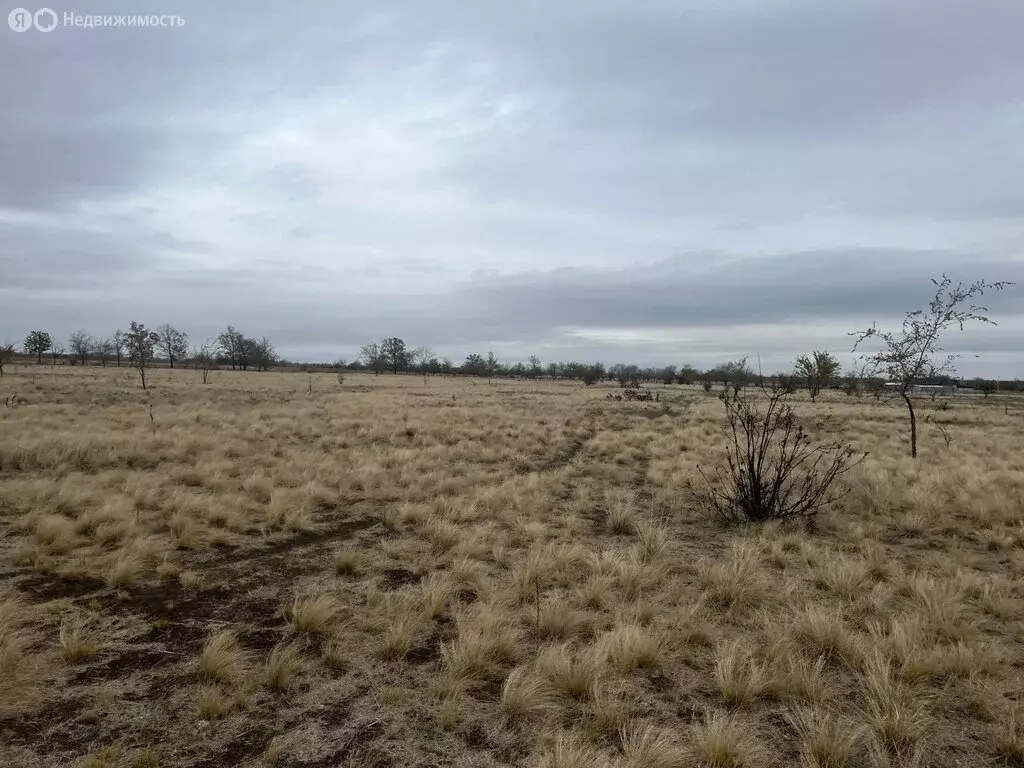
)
(774, 470)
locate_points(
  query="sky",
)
(653, 181)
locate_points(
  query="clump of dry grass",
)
(652, 541)
(347, 561)
(842, 576)
(571, 751)
(897, 715)
(645, 746)
(283, 664)
(483, 644)
(740, 677)
(77, 640)
(801, 679)
(191, 581)
(222, 659)
(1009, 738)
(826, 739)
(55, 533)
(125, 570)
(739, 581)
(611, 708)
(335, 654)
(573, 671)
(436, 594)
(620, 514)
(631, 647)
(525, 695)
(822, 633)
(314, 615)
(559, 621)
(725, 741)
(399, 636)
(214, 702)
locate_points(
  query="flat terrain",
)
(277, 569)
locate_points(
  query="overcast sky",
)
(657, 181)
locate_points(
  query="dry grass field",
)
(392, 572)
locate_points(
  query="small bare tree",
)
(204, 360)
(118, 341)
(82, 345)
(104, 350)
(140, 343)
(912, 354)
(774, 470)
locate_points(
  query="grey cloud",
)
(514, 175)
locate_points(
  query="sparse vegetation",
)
(512, 573)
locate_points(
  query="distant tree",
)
(447, 366)
(985, 387)
(118, 340)
(668, 375)
(56, 351)
(235, 348)
(817, 370)
(372, 357)
(36, 343)
(687, 374)
(104, 350)
(81, 344)
(395, 353)
(140, 343)
(204, 359)
(173, 343)
(535, 369)
(259, 353)
(734, 374)
(593, 374)
(425, 360)
(474, 365)
(231, 344)
(911, 354)
(491, 365)
(6, 356)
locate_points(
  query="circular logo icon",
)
(45, 19)
(20, 20)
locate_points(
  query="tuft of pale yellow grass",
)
(222, 659)
(571, 751)
(827, 740)
(283, 664)
(77, 640)
(645, 746)
(740, 678)
(314, 615)
(525, 694)
(725, 741)
(573, 671)
(213, 702)
(631, 647)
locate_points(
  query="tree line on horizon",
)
(143, 348)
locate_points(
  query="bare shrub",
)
(774, 470)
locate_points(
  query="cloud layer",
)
(649, 181)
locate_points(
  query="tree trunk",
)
(913, 425)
